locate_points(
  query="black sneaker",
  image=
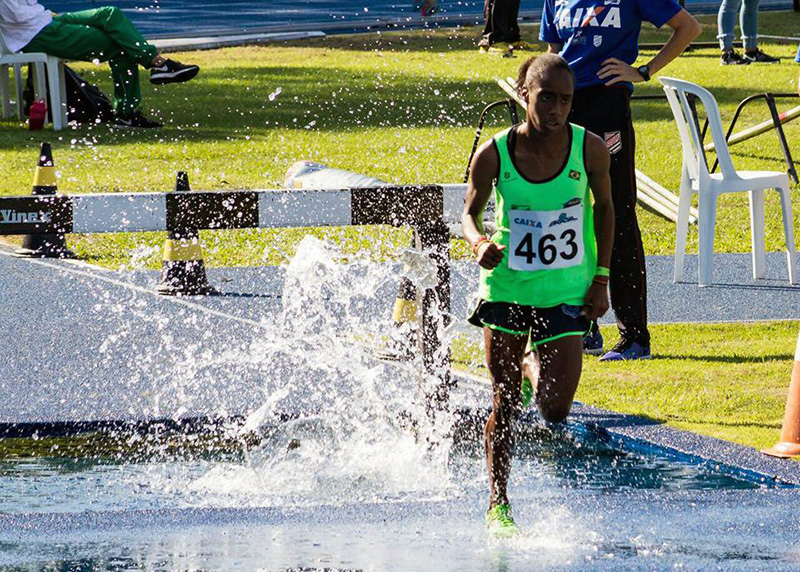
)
(732, 58)
(136, 121)
(171, 71)
(757, 56)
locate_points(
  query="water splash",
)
(341, 426)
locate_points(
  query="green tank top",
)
(547, 228)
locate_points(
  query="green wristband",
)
(602, 271)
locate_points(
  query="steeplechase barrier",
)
(428, 209)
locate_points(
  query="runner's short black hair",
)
(533, 69)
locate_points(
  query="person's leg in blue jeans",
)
(726, 23)
(749, 24)
(726, 26)
(748, 21)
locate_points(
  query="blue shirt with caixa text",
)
(591, 31)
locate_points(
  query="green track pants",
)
(102, 34)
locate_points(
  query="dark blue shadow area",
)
(182, 17)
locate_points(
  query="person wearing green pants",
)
(101, 34)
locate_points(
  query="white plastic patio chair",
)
(42, 63)
(695, 178)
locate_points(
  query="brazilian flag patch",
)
(576, 175)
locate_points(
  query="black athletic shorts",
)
(543, 324)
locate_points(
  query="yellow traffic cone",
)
(183, 272)
(44, 183)
(789, 445)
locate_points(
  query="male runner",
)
(544, 272)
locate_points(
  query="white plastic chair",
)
(695, 178)
(42, 63)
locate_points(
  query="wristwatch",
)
(644, 71)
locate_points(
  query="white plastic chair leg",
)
(757, 233)
(5, 91)
(788, 231)
(18, 89)
(706, 224)
(58, 98)
(40, 82)
(682, 227)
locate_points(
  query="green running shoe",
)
(526, 392)
(500, 523)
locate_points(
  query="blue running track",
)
(172, 18)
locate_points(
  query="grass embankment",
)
(403, 106)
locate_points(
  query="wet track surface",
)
(74, 330)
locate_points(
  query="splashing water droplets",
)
(345, 439)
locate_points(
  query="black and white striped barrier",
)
(139, 212)
(428, 209)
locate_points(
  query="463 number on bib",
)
(541, 240)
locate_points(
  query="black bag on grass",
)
(85, 102)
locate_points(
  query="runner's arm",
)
(598, 162)
(684, 29)
(479, 188)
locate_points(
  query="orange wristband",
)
(477, 244)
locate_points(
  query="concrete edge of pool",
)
(634, 434)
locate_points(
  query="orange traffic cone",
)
(789, 445)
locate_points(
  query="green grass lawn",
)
(399, 106)
(403, 106)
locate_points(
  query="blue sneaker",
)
(627, 350)
(593, 343)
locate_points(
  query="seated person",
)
(102, 34)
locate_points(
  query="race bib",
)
(546, 240)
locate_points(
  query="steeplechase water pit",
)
(257, 430)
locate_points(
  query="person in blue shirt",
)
(600, 40)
